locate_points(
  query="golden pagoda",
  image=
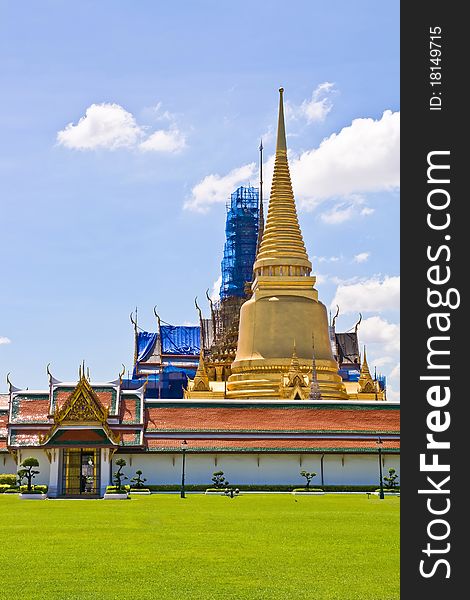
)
(284, 305)
(366, 388)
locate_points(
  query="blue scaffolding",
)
(241, 231)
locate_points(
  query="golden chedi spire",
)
(366, 383)
(284, 304)
(201, 379)
(282, 247)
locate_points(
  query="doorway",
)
(81, 472)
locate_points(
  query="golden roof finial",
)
(281, 144)
(366, 383)
(294, 363)
(282, 245)
(201, 379)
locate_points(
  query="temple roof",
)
(81, 416)
(285, 418)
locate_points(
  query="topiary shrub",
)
(138, 481)
(219, 480)
(308, 476)
(8, 479)
(4, 487)
(119, 475)
(392, 479)
(28, 472)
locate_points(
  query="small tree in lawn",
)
(27, 472)
(119, 475)
(308, 476)
(21, 475)
(219, 480)
(138, 481)
(392, 478)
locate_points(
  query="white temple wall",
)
(9, 465)
(158, 469)
(338, 469)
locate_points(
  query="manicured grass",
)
(159, 547)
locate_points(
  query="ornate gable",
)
(81, 406)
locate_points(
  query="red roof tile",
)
(128, 413)
(3, 425)
(25, 439)
(271, 419)
(32, 410)
(265, 444)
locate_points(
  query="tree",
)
(119, 476)
(219, 480)
(308, 476)
(28, 472)
(138, 481)
(391, 480)
(21, 475)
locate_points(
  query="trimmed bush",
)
(8, 478)
(4, 487)
(27, 471)
(12, 491)
(305, 489)
(40, 489)
(261, 488)
(132, 490)
(138, 481)
(114, 489)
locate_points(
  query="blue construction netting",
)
(145, 344)
(349, 374)
(241, 232)
(167, 384)
(178, 339)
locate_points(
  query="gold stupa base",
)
(265, 379)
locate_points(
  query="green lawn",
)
(160, 547)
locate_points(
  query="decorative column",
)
(105, 469)
(53, 456)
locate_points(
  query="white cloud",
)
(393, 384)
(110, 126)
(381, 336)
(361, 158)
(395, 372)
(214, 188)
(322, 259)
(369, 295)
(215, 293)
(376, 330)
(346, 210)
(103, 126)
(4, 340)
(315, 109)
(164, 141)
(383, 360)
(361, 257)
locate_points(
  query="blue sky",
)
(124, 127)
